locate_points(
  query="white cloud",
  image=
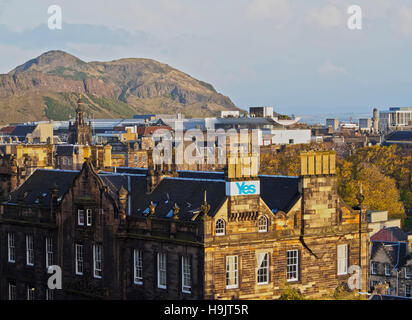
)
(277, 10)
(405, 21)
(330, 69)
(327, 17)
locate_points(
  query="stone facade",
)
(196, 239)
(19, 161)
(80, 132)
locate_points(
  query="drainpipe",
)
(129, 197)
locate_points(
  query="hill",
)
(48, 86)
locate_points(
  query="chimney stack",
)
(318, 163)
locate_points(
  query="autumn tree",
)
(379, 190)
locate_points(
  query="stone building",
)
(19, 161)
(158, 233)
(41, 132)
(72, 156)
(80, 132)
(391, 261)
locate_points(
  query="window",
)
(407, 291)
(408, 272)
(79, 259)
(138, 267)
(49, 294)
(89, 217)
(97, 261)
(49, 252)
(263, 268)
(29, 250)
(374, 267)
(186, 275)
(80, 217)
(11, 248)
(263, 224)
(387, 269)
(232, 272)
(292, 265)
(30, 292)
(374, 284)
(161, 270)
(220, 227)
(291, 141)
(12, 291)
(342, 259)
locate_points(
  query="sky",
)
(298, 56)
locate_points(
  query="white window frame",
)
(263, 224)
(342, 259)
(98, 261)
(49, 252)
(12, 291)
(406, 290)
(80, 217)
(29, 250)
(138, 266)
(161, 270)
(49, 294)
(220, 227)
(89, 217)
(292, 265)
(232, 272)
(30, 293)
(11, 248)
(186, 274)
(408, 272)
(387, 267)
(79, 263)
(374, 267)
(262, 268)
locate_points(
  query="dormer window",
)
(263, 224)
(220, 227)
(80, 217)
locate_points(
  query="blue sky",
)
(296, 55)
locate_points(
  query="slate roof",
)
(397, 252)
(21, 131)
(39, 185)
(394, 242)
(65, 149)
(400, 136)
(187, 194)
(187, 190)
(388, 297)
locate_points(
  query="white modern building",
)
(365, 124)
(395, 117)
(288, 136)
(334, 123)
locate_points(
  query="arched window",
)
(263, 224)
(220, 227)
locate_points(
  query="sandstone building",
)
(391, 262)
(159, 233)
(80, 132)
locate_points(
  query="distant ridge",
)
(47, 88)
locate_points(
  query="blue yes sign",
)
(242, 188)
